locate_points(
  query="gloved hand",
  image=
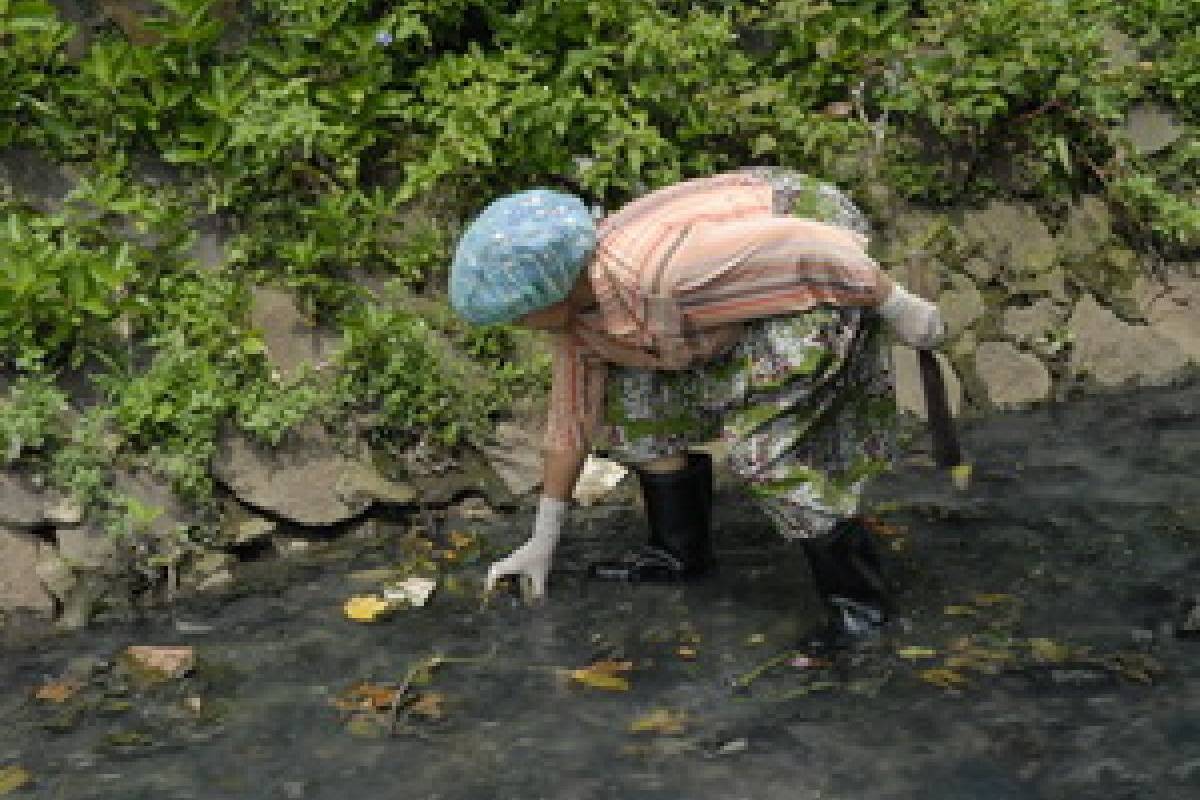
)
(531, 561)
(917, 322)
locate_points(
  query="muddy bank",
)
(1047, 651)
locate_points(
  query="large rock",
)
(305, 479)
(1012, 379)
(910, 392)
(290, 338)
(516, 456)
(156, 498)
(1013, 237)
(1172, 309)
(1087, 229)
(88, 547)
(1151, 128)
(1027, 324)
(960, 306)
(1115, 353)
(22, 504)
(20, 587)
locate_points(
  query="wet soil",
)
(1046, 650)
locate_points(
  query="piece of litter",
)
(414, 591)
(598, 477)
(736, 746)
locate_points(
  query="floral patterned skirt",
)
(804, 403)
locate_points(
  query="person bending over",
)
(708, 310)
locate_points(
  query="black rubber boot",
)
(849, 579)
(679, 514)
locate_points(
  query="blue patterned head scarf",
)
(521, 254)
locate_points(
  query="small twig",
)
(747, 678)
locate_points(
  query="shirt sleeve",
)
(576, 395)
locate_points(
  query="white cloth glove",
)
(531, 561)
(916, 321)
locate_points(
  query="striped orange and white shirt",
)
(677, 271)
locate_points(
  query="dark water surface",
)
(1079, 681)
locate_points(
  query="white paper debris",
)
(413, 590)
(599, 477)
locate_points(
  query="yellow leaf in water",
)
(959, 611)
(686, 652)
(916, 652)
(993, 599)
(1048, 650)
(960, 476)
(946, 678)
(57, 691)
(660, 720)
(13, 778)
(603, 675)
(365, 608)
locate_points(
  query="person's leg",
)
(652, 418)
(816, 422)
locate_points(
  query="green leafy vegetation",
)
(350, 141)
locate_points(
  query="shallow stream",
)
(1047, 650)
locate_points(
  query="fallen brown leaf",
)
(58, 691)
(428, 705)
(946, 678)
(603, 675)
(660, 720)
(171, 662)
(13, 778)
(365, 697)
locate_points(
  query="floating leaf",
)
(916, 652)
(365, 697)
(460, 540)
(58, 691)
(993, 599)
(13, 778)
(686, 652)
(960, 476)
(428, 705)
(1048, 650)
(756, 639)
(946, 678)
(660, 720)
(603, 675)
(959, 611)
(166, 662)
(365, 608)
(878, 526)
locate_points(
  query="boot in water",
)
(849, 580)
(679, 515)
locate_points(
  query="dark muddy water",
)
(1044, 652)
